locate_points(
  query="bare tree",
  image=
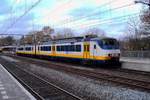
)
(133, 39)
(95, 31)
(47, 30)
(145, 22)
(37, 36)
(9, 40)
(64, 33)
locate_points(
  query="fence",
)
(139, 54)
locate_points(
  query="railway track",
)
(133, 71)
(98, 75)
(39, 88)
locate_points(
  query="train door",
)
(53, 50)
(86, 53)
(94, 51)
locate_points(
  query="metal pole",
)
(35, 42)
(149, 5)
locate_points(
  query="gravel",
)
(89, 88)
(84, 87)
(9, 59)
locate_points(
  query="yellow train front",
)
(86, 50)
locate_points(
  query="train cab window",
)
(78, 48)
(94, 46)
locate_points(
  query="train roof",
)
(76, 39)
(73, 39)
(65, 40)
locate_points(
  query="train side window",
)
(28, 48)
(45, 48)
(62, 48)
(67, 48)
(41, 48)
(72, 48)
(58, 48)
(20, 49)
(49, 48)
(94, 46)
(78, 48)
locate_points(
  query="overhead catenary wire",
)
(109, 19)
(97, 9)
(12, 34)
(108, 24)
(102, 22)
(73, 20)
(11, 15)
(27, 11)
(95, 14)
(93, 24)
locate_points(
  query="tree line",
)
(137, 35)
(46, 34)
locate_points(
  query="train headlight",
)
(114, 55)
(110, 55)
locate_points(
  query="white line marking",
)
(3, 92)
(1, 85)
(2, 88)
(23, 89)
(5, 97)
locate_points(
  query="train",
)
(87, 49)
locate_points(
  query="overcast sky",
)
(108, 15)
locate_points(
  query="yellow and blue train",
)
(84, 49)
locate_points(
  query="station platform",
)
(135, 60)
(10, 88)
(141, 64)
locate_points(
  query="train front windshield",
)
(108, 44)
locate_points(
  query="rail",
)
(40, 88)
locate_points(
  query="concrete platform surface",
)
(135, 60)
(142, 64)
(10, 88)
